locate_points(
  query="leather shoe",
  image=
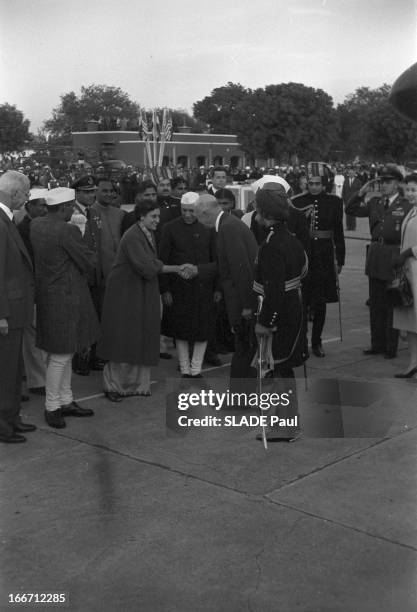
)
(74, 409)
(15, 438)
(24, 427)
(213, 360)
(97, 365)
(317, 350)
(113, 396)
(408, 374)
(390, 355)
(165, 355)
(38, 390)
(54, 418)
(372, 351)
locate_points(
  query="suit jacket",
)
(236, 250)
(349, 190)
(16, 276)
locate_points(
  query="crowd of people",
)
(86, 285)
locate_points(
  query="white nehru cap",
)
(189, 198)
(59, 195)
(270, 178)
(37, 193)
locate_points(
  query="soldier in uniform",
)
(281, 265)
(324, 214)
(386, 214)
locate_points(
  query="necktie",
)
(386, 203)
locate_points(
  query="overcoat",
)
(324, 213)
(66, 320)
(237, 250)
(281, 265)
(131, 309)
(192, 312)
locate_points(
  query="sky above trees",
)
(174, 54)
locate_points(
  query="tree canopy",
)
(284, 121)
(217, 111)
(14, 129)
(371, 128)
(108, 105)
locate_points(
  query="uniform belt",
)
(322, 234)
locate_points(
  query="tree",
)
(217, 110)
(370, 127)
(286, 120)
(102, 103)
(14, 129)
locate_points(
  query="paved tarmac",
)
(120, 512)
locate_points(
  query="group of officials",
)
(281, 260)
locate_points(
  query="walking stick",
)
(261, 350)
(259, 371)
(338, 291)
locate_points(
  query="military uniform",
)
(324, 214)
(281, 265)
(385, 220)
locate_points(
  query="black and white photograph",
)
(208, 306)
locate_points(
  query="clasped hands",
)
(187, 271)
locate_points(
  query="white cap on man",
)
(190, 197)
(270, 178)
(38, 193)
(59, 195)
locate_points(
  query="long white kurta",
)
(406, 318)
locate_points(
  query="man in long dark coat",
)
(236, 250)
(16, 306)
(324, 213)
(66, 320)
(281, 265)
(191, 300)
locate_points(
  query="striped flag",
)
(155, 125)
(166, 130)
(143, 123)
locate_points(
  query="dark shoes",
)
(37, 390)
(377, 351)
(97, 365)
(409, 374)
(15, 438)
(373, 351)
(213, 360)
(75, 410)
(113, 396)
(317, 350)
(277, 436)
(55, 419)
(165, 355)
(24, 427)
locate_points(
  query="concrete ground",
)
(120, 513)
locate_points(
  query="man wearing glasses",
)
(386, 213)
(324, 213)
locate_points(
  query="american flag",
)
(155, 125)
(143, 123)
(166, 130)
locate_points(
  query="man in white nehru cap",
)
(189, 298)
(66, 319)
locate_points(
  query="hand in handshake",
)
(188, 271)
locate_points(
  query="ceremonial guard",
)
(281, 265)
(386, 213)
(89, 226)
(324, 214)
